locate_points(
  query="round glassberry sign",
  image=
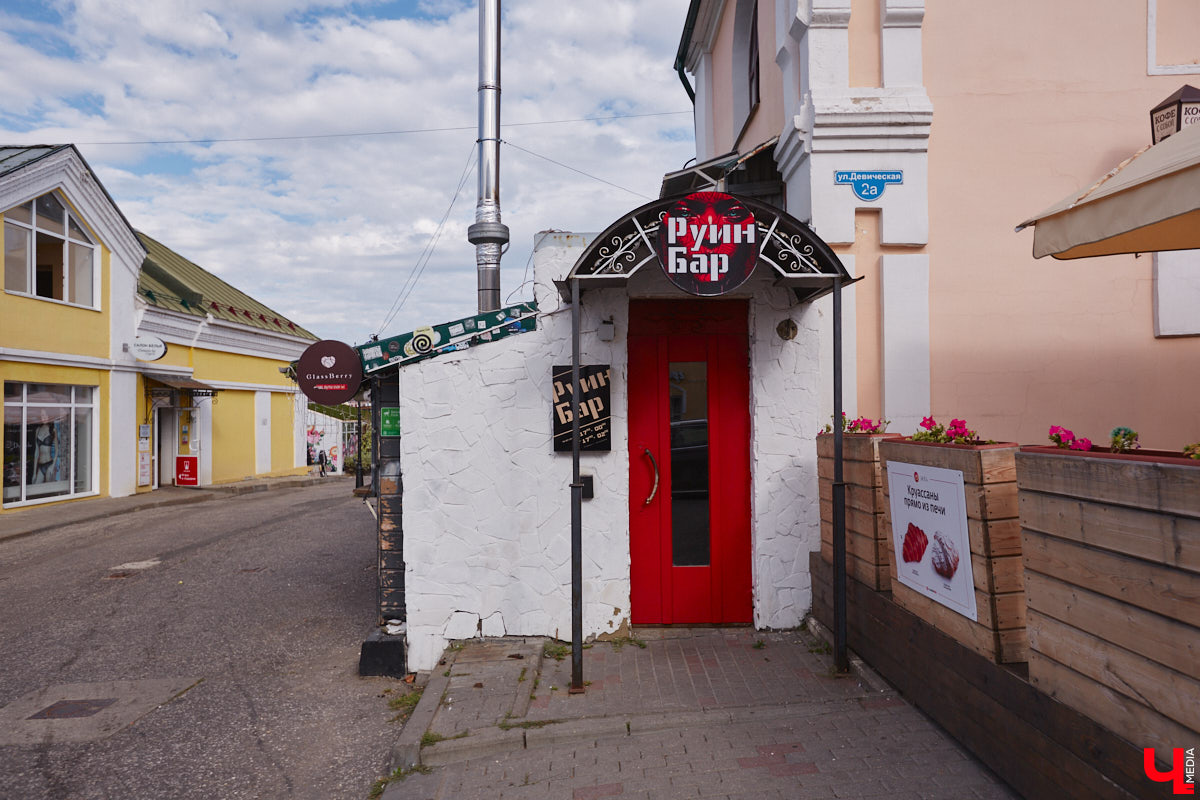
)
(329, 372)
(708, 243)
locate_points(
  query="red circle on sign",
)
(707, 243)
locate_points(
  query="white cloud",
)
(326, 230)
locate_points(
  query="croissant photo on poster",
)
(929, 530)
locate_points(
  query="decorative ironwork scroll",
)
(801, 260)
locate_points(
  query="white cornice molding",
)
(704, 34)
(65, 170)
(826, 13)
(795, 142)
(885, 121)
(55, 359)
(238, 386)
(903, 14)
(217, 334)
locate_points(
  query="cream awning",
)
(1147, 203)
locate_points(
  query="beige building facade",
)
(914, 135)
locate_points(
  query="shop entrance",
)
(689, 462)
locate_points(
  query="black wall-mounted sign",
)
(595, 403)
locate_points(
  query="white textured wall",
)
(487, 519)
(785, 399)
(487, 502)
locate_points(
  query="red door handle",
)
(653, 489)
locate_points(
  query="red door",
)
(689, 462)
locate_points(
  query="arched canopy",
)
(799, 258)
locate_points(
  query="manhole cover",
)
(74, 709)
(85, 712)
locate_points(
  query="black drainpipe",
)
(689, 25)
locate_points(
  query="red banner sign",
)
(187, 471)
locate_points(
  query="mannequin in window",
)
(45, 447)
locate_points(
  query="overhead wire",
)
(423, 260)
(574, 169)
(400, 132)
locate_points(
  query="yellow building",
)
(218, 404)
(85, 299)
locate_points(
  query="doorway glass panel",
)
(688, 397)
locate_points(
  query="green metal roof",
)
(171, 282)
(13, 157)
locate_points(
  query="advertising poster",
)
(187, 471)
(929, 529)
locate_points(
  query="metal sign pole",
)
(576, 507)
(358, 476)
(840, 659)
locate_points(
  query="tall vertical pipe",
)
(488, 234)
(841, 660)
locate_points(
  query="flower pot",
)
(866, 536)
(1112, 569)
(993, 528)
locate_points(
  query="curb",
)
(92, 516)
(495, 741)
(861, 670)
(406, 751)
(200, 496)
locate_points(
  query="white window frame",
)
(68, 239)
(1152, 65)
(74, 404)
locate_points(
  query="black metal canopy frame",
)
(804, 263)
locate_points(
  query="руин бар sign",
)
(595, 402)
(929, 532)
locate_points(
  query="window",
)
(744, 64)
(48, 253)
(49, 441)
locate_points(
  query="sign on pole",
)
(389, 421)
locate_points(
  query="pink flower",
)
(960, 424)
(1082, 443)
(928, 423)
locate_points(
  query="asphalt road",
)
(258, 603)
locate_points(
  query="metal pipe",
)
(358, 476)
(576, 507)
(840, 659)
(488, 233)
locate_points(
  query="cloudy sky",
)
(307, 152)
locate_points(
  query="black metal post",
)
(840, 659)
(358, 476)
(576, 507)
(389, 493)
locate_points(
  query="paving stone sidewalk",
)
(678, 713)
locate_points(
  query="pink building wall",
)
(1019, 122)
(1031, 101)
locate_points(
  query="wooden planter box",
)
(867, 559)
(989, 478)
(1112, 573)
